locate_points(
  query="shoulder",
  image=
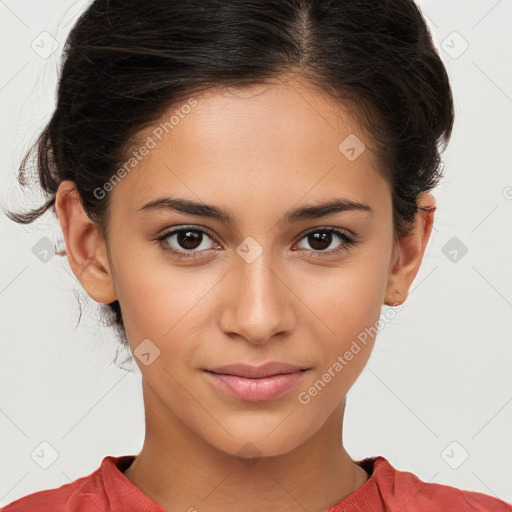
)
(410, 494)
(84, 494)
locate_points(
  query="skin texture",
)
(257, 153)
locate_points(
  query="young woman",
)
(243, 184)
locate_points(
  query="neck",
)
(183, 472)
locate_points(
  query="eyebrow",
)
(314, 211)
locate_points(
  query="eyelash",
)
(348, 241)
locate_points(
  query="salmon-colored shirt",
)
(387, 490)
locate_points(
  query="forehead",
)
(276, 141)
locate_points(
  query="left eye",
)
(321, 238)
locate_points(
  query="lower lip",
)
(262, 389)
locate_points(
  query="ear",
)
(408, 253)
(85, 249)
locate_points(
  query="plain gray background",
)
(436, 395)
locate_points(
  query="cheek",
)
(352, 299)
(352, 317)
(350, 305)
(164, 304)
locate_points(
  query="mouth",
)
(256, 383)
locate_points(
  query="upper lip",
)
(264, 370)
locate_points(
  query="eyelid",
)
(209, 232)
(182, 227)
(344, 231)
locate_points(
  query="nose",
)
(259, 303)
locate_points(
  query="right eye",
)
(186, 241)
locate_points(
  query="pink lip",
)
(256, 383)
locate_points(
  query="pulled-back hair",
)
(126, 62)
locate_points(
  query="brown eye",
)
(322, 238)
(187, 241)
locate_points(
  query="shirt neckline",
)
(117, 484)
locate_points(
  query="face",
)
(199, 291)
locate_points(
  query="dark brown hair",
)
(126, 62)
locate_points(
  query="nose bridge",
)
(261, 304)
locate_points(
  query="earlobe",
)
(409, 251)
(85, 249)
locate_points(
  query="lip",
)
(256, 383)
